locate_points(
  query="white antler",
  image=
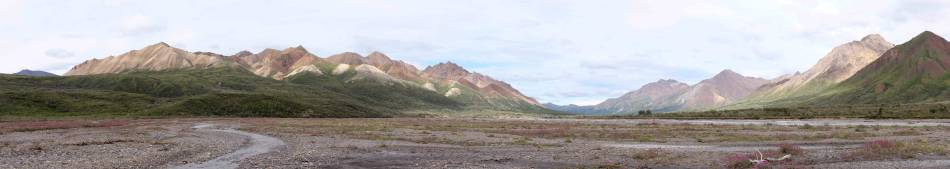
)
(762, 159)
(779, 159)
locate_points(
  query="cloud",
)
(135, 25)
(59, 53)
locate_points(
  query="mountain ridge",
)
(668, 95)
(840, 63)
(281, 64)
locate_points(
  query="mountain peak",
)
(158, 45)
(349, 58)
(446, 70)
(927, 33)
(666, 81)
(448, 65)
(298, 48)
(243, 53)
(873, 38)
(378, 54)
(928, 36)
(727, 72)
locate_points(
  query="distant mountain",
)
(572, 108)
(456, 79)
(35, 73)
(671, 95)
(395, 68)
(274, 63)
(724, 88)
(155, 57)
(449, 80)
(662, 95)
(841, 63)
(912, 72)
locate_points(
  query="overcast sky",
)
(579, 52)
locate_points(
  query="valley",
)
(686, 84)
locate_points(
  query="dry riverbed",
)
(472, 143)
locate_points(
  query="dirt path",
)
(258, 144)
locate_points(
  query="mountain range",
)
(867, 71)
(280, 64)
(670, 95)
(164, 80)
(303, 84)
(838, 65)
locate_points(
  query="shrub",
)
(738, 161)
(647, 154)
(807, 127)
(792, 149)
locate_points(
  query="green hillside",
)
(916, 71)
(234, 92)
(209, 92)
(913, 72)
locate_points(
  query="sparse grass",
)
(737, 161)
(648, 154)
(86, 143)
(741, 160)
(522, 141)
(792, 149)
(29, 126)
(891, 110)
(373, 128)
(807, 127)
(886, 149)
(907, 132)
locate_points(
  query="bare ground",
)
(469, 143)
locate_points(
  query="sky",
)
(565, 52)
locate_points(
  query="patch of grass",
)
(792, 149)
(86, 143)
(28, 126)
(807, 127)
(907, 132)
(648, 154)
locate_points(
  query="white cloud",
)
(59, 53)
(140, 24)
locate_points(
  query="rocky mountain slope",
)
(276, 64)
(395, 68)
(662, 95)
(453, 75)
(912, 72)
(841, 63)
(35, 73)
(151, 58)
(724, 88)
